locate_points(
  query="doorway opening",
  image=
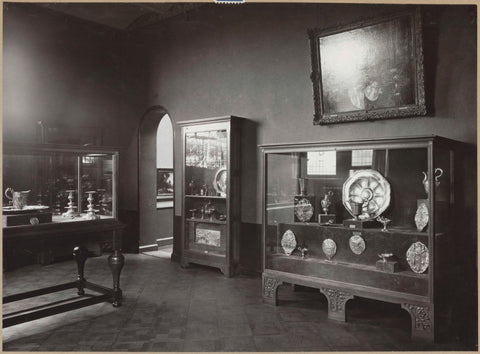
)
(156, 183)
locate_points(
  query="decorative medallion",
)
(417, 257)
(357, 244)
(421, 216)
(303, 209)
(220, 181)
(368, 188)
(329, 247)
(289, 243)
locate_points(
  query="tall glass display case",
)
(211, 192)
(369, 218)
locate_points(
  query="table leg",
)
(116, 262)
(80, 254)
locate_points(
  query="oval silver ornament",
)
(357, 244)
(289, 243)
(329, 248)
(418, 257)
(421, 216)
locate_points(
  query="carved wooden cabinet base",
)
(337, 300)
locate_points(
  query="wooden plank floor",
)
(167, 308)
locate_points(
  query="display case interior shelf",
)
(370, 218)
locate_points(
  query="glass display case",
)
(60, 200)
(361, 218)
(211, 192)
(53, 183)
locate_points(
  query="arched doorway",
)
(155, 179)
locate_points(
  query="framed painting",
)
(368, 70)
(164, 185)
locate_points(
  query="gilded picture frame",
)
(368, 70)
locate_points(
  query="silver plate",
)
(421, 216)
(418, 257)
(303, 210)
(357, 244)
(289, 243)
(371, 189)
(220, 181)
(329, 248)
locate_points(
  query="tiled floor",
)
(167, 308)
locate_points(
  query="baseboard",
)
(148, 248)
(166, 241)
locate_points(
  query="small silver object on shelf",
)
(303, 250)
(385, 264)
(438, 173)
(385, 256)
(91, 212)
(326, 201)
(70, 213)
(384, 221)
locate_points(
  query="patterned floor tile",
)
(170, 309)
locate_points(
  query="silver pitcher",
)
(19, 199)
(438, 173)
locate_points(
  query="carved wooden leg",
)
(116, 262)
(422, 321)
(337, 300)
(80, 254)
(270, 288)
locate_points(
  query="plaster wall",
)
(253, 61)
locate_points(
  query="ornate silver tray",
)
(417, 257)
(329, 248)
(303, 210)
(289, 243)
(357, 244)
(421, 216)
(371, 189)
(220, 181)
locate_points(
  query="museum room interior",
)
(239, 177)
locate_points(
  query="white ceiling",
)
(122, 16)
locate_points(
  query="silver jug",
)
(438, 173)
(19, 199)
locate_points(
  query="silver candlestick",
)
(91, 212)
(70, 213)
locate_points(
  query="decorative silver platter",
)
(220, 181)
(421, 216)
(303, 210)
(371, 189)
(357, 244)
(329, 248)
(417, 257)
(289, 243)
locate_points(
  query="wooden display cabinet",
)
(211, 192)
(406, 180)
